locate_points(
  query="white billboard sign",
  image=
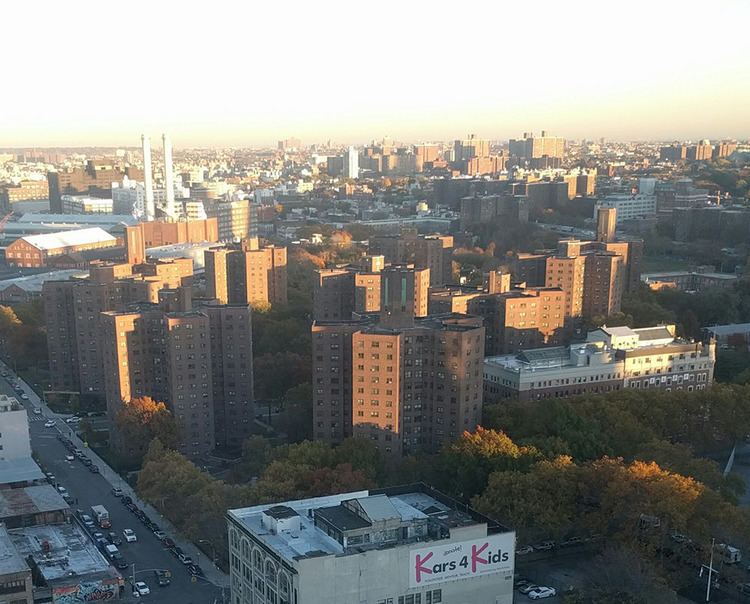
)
(462, 560)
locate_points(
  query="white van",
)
(728, 553)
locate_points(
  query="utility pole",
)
(710, 571)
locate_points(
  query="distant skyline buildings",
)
(703, 97)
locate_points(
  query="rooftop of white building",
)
(60, 551)
(289, 528)
(63, 239)
(602, 343)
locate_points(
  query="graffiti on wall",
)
(91, 591)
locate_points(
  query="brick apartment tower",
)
(408, 384)
(197, 361)
(249, 274)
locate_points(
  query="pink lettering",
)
(423, 569)
(475, 559)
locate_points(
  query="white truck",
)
(728, 553)
(101, 515)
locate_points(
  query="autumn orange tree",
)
(608, 496)
(463, 467)
(138, 422)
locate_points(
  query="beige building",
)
(567, 273)
(237, 220)
(653, 357)
(612, 358)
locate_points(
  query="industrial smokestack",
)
(168, 176)
(149, 208)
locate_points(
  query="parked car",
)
(162, 577)
(523, 550)
(119, 561)
(196, 570)
(678, 537)
(114, 538)
(167, 542)
(129, 535)
(72, 420)
(142, 588)
(184, 558)
(94, 469)
(160, 535)
(571, 542)
(545, 546)
(527, 587)
(176, 550)
(87, 520)
(542, 592)
(125, 499)
(117, 491)
(25, 397)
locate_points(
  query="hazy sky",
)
(249, 73)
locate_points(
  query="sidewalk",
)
(212, 573)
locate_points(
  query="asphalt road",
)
(148, 553)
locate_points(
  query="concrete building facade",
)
(368, 546)
(15, 443)
(611, 359)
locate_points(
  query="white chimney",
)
(168, 176)
(149, 208)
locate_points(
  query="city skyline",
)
(351, 75)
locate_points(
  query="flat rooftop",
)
(403, 505)
(24, 469)
(730, 329)
(34, 283)
(60, 551)
(675, 274)
(10, 560)
(30, 500)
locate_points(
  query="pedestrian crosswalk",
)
(33, 417)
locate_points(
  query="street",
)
(144, 556)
